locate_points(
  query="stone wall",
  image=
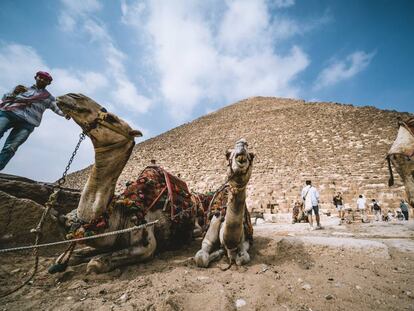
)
(339, 147)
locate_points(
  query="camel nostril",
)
(103, 109)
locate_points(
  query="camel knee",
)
(99, 265)
(201, 258)
(216, 255)
(242, 258)
(197, 232)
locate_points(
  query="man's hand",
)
(19, 89)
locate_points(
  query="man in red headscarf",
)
(21, 111)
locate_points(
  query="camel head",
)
(401, 156)
(240, 164)
(101, 126)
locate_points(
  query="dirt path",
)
(352, 267)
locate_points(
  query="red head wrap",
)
(44, 75)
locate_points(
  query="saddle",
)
(155, 188)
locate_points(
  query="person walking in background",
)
(338, 201)
(376, 209)
(404, 209)
(21, 111)
(310, 197)
(361, 207)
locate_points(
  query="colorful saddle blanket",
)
(155, 188)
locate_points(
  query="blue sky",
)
(158, 64)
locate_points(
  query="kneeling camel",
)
(234, 233)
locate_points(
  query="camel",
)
(100, 210)
(401, 155)
(234, 233)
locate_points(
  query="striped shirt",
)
(33, 113)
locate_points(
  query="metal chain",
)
(62, 180)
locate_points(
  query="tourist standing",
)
(376, 209)
(404, 209)
(361, 207)
(338, 201)
(310, 197)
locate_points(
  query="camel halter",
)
(101, 120)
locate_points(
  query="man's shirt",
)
(313, 193)
(404, 207)
(32, 113)
(361, 203)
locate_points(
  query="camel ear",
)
(135, 133)
(228, 153)
(251, 154)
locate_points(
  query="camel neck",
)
(100, 187)
(236, 201)
(233, 229)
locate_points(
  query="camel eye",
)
(103, 109)
(110, 118)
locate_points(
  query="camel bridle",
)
(101, 120)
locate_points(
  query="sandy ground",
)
(349, 267)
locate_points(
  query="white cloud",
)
(283, 3)
(66, 22)
(244, 26)
(18, 63)
(223, 56)
(73, 9)
(123, 91)
(343, 70)
(82, 7)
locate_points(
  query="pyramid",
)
(339, 147)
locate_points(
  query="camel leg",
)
(198, 231)
(80, 255)
(243, 256)
(137, 253)
(203, 256)
(84, 254)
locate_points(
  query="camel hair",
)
(230, 233)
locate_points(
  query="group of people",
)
(375, 206)
(308, 207)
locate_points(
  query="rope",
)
(38, 232)
(79, 239)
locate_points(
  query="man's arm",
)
(56, 109)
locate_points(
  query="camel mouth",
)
(241, 159)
